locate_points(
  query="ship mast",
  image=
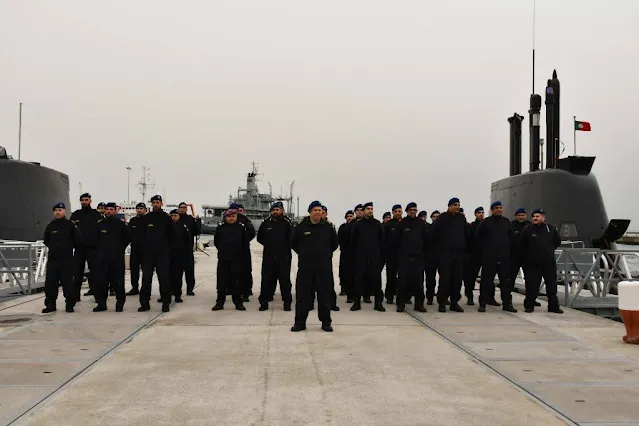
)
(145, 184)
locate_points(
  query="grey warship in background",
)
(257, 205)
(28, 190)
(567, 189)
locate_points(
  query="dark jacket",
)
(136, 231)
(449, 233)
(86, 219)
(250, 229)
(411, 236)
(515, 237)
(275, 235)
(158, 232)
(61, 236)
(114, 237)
(182, 241)
(230, 241)
(493, 236)
(473, 247)
(367, 239)
(192, 224)
(539, 243)
(314, 244)
(391, 241)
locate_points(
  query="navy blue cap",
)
(520, 210)
(234, 206)
(422, 214)
(386, 214)
(174, 211)
(411, 205)
(101, 204)
(85, 195)
(59, 206)
(140, 205)
(156, 198)
(479, 209)
(277, 205)
(112, 205)
(434, 213)
(495, 204)
(539, 211)
(453, 201)
(369, 204)
(396, 206)
(359, 206)
(313, 205)
(348, 212)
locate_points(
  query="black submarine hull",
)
(28, 192)
(572, 202)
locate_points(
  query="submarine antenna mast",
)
(20, 131)
(533, 44)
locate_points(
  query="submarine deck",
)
(194, 366)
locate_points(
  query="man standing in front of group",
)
(275, 235)
(230, 241)
(86, 220)
(136, 231)
(314, 241)
(368, 240)
(158, 233)
(539, 242)
(114, 237)
(391, 253)
(61, 236)
(189, 265)
(493, 236)
(449, 233)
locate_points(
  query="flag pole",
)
(574, 129)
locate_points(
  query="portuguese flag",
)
(583, 126)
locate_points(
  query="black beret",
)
(277, 205)
(358, 207)
(539, 211)
(156, 198)
(85, 195)
(140, 206)
(434, 213)
(411, 205)
(348, 212)
(240, 206)
(422, 214)
(234, 206)
(386, 214)
(59, 206)
(453, 200)
(520, 210)
(111, 205)
(101, 204)
(174, 211)
(396, 206)
(324, 208)
(313, 205)
(479, 209)
(369, 204)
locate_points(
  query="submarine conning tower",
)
(566, 189)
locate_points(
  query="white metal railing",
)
(22, 265)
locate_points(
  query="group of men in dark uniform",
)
(408, 246)
(159, 241)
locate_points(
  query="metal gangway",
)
(589, 277)
(22, 266)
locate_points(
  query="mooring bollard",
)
(628, 292)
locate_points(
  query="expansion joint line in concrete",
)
(95, 361)
(478, 359)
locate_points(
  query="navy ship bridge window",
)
(568, 230)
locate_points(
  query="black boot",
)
(190, 293)
(442, 308)
(217, 307)
(133, 292)
(389, 301)
(529, 310)
(470, 302)
(263, 306)
(145, 307)
(537, 303)
(119, 307)
(482, 308)
(456, 308)
(49, 309)
(327, 328)
(356, 306)
(100, 308)
(494, 303)
(555, 310)
(245, 299)
(429, 301)
(367, 299)
(240, 307)
(69, 307)
(400, 307)
(165, 308)
(287, 306)
(298, 327)
(335, 308)
(342, 293)
(379, 307)
(419, 308)
(178, 299)
(88, 293)
(508, 307)
(349, 299)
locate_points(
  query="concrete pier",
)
(195, 366)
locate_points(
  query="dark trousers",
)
(189, 269)
(179, 262)
(472, 264)
(411, 279)
(229, 277)
(450, 266)
(392, 276)
(534, 274)
(430, 270)
(161, 263)
(135, 265)
(368, 280)
(82, 256)
(516, 263)
(274, 269)
(59, 273)
(490, 268)
(347, 274)
(111, 273)
(246, 278)
(307, 283)
(333, 294)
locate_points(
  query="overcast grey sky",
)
(356, 100)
